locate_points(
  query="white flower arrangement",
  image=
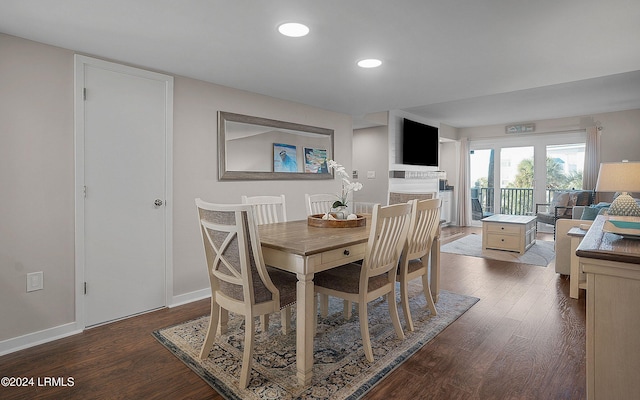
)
(347, 185)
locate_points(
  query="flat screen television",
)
(420, 144)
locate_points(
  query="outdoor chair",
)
(561, 207)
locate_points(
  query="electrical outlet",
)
(371, 174)
(35, 281)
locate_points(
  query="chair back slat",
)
(267, 209)
(319, 203)
(423, 228)
(389, 227)
(363, 207)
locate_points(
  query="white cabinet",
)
(612, 266)
(508, 232)
(446, 209)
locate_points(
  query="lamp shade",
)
(619, 177)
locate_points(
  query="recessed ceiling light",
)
(293, 29)
(369, 63)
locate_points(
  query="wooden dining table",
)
(296, 247)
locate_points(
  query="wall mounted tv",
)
(420, 144)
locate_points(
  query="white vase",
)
(340, 212)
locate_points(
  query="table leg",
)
(574, 275)
(305, 328)
(435, 268)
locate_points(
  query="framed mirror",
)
(254, 148)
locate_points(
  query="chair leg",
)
(285, 317)
(364, 330)
(427, 294)
(324, 305)
(315, 313)
(346, 309)
(404, 298)
(211, 331)
(264, 322)
(247, 354)
(393, 311)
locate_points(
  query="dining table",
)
(297, 247)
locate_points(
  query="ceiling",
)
(459, 62)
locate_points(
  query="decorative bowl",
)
(317, 221)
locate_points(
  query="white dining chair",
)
(319, 203)
(240, 281)
(414, 261)
(363, 207)
(269, 210)
(376, 276)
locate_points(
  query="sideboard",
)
(612, 267)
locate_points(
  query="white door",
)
(124, 127)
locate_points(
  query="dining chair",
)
(269, 210)
(414, 261)
(376, 276)
(322, 204)
(362, 207)
(319, 203)
(240, 281)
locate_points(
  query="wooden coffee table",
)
(508, 232)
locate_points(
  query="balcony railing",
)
(513, 201)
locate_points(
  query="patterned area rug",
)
(340, 370)
(540, 254)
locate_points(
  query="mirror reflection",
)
(254, 148)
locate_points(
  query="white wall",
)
(37, 178)
(620, 134)
(370, 153)
(195, 164)
(36, 185)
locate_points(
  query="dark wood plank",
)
(524, 339)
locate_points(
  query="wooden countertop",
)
(609, 246)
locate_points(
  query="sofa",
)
(563, 241)
(581, 215)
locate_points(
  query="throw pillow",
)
(561, 199)
(573, 200)
(590, 213)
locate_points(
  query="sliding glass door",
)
(517, 168)
(565, 166)
(482, 182)
(510, 175)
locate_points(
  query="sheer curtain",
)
(464, 214)
(591, 158)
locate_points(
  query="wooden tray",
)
(317, 221)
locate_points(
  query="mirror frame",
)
(223, 174)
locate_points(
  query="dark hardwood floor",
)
(525, 339)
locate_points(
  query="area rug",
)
(340, 369)
(540, 254)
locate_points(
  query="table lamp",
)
(620, 177)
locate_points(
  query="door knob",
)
(158, 203)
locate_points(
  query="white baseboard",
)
(36, 338)
(61, 331)
(190, 297)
